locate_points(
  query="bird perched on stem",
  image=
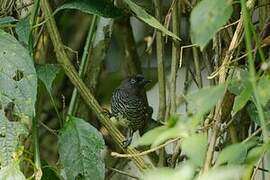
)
(129, 102)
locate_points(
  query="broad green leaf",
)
(206, 18)
(181, 130)
(18, 80)
(80, 146)
(23, 30)
(47, 73)
(149, 137)
(232, 154)
(203, 100)
(240, 80)
(99, 7)
(223, 173)
(185, 172)
(12, 172)
(148, 19)
(7, 20)
(18, 88)
(242, 99)
(256, 152)
(9, 140)
(263, 90)
(195, 147)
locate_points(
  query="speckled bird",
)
(129, 101)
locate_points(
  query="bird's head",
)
(136, 82)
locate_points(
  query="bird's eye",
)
(132, 81)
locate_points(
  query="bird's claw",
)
(126, 142)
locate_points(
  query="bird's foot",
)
(126, 142)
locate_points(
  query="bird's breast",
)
(130, 106)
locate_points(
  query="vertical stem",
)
(32, 23)
(175, 56)
(35, 131)
(196, 59)
(252, 72)
(160, 63)
(38, 174)
(263, 12)
(83, 67)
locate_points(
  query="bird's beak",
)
(145, 81)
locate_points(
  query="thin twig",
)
(229, 25)
(181, 53)
(257, 167)
(123, 173)
(49, 129)
(144, 152)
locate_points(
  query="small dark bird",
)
(129, 102)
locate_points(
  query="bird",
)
(129, 102)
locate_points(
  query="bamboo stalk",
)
(175, 56)
(160, 64)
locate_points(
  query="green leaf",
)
(206, 19)
(80, 146)
(171, 122)
(232, 154)
(223, 173)
(148, 19)
(18, 88)
(12, 172)
(257, 152)
(9, 139)
(180, 130)
(185, 172)
(47, 73)
(150, 136)
(23, 30)
(18, 80)
(203, 100)
(195, 147)
(99, 7)
(240, 80)
(7, 20)
(254, 154)
(263, 90)
(242, 99)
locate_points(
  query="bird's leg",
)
(128, 139)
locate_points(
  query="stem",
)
(196, 60)
(83, 67)
(35, 126)
(89, 99)
(32, 23)
(252, 71)
(38, 174)
(175, 56)
(160, 63)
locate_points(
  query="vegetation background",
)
(209, 65)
